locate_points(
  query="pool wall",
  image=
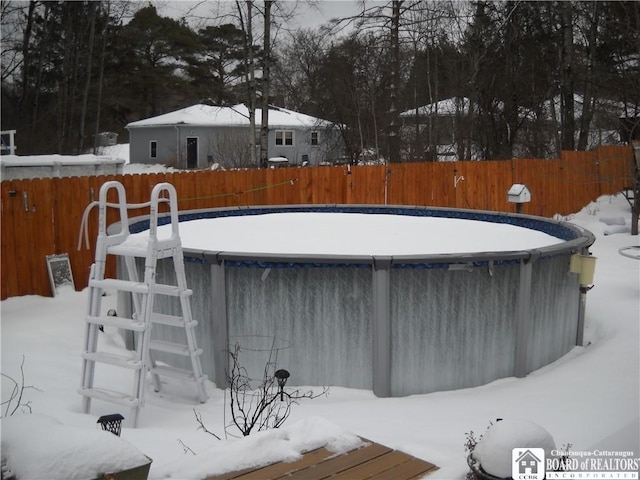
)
(397, 325)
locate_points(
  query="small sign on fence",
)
(60, 274)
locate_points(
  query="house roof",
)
(449, 106)
(460, 106)
(236, 115)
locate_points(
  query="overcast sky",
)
(307, 13)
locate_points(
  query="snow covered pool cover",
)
(317, 233)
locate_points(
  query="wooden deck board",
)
(371, 461)
(286, 469)
(414, 468)
(341, 463)
(380, 464)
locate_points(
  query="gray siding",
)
(229, 146)
(140, 141)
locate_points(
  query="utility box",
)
(518, 193)
(107, 139)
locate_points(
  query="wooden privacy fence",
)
(42, 216)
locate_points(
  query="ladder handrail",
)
(123, 206)
(121, 236)
(173, 211)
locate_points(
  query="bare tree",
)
(261, 407)
(15, 398)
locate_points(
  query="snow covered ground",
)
(589, 398)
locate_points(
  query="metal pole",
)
(219, 321)
(523, 320)
(382, 326)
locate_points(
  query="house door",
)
(192, 152)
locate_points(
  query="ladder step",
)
(117, 284)
(113, 359)
(117, 322)
(168, 371)
(110, 396)
(129, 249)
(171, 347)
(172, 320)
(172, 290)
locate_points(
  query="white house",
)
(202, 135)
(442, 130)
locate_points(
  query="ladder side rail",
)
(146, 312)
(187, 317)
(192, 343)
(90, 344)
(132, 274)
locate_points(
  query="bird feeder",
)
(518, 194)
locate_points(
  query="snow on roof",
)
(460, 106)
(236, 115)
(449, 106)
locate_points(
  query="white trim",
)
(11, 148)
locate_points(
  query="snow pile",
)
(493, 451)
(120, 150)
(38, 447)
(55, 159)
(285, 444)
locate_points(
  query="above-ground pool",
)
(400, 300)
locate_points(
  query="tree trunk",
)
(264, 130)
(26, 56)
(103, 51)
(87, 83)
(394, 125)
(250, 77)
(567, 112)
(587, 101)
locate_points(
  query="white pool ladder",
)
(143, 294)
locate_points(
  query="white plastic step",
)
(171, 290)
(117, 284)
(129, 249)
(172, 347)
(117, 322)
(168, 371)
(172, 320)
(113, 359)
(110, 396)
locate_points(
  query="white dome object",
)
(493, 451)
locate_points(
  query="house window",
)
(315, 138)
(284, 137)
(153, 149)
